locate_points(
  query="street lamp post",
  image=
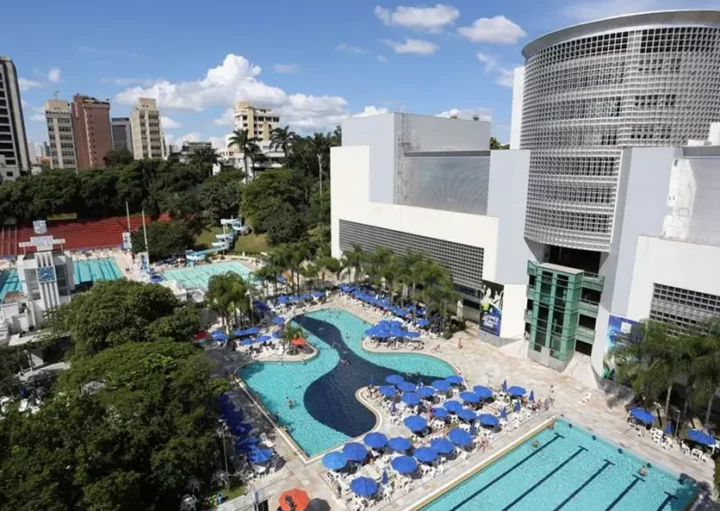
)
(221, 434)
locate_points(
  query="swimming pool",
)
(570, 469)
(327, 412)
(90, 270)
(199, 276)
(9, 282)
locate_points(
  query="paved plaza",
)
(480, 364)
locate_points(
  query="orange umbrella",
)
(298, 342)
(297, 497)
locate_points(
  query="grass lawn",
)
(250, 244)
(238, 491)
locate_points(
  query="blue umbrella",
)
(364, 486)
(483, 392)
(668, 429)
(415, 423)
(503, 413)
(504, 385)
(425, 454)
(532, 396)
(387, 390)
(276, 335)
(404, 464)
(260, 455)
(370, 332)
(488, 420)
(279, 320)
(406, 386)
(516, 408)
(376, 440)
(355, 451)
(473, 429)
(264, 338)
(422, 322)
(454, 379)
(384, 477)
(412, 335)
(469, 397)
(467, 415)
(399, 443)
(334, 460)
(239, 333)
(219, 335)
(440, 385)
(383, 334)
(252, 331)
(642, 415)
(440, 412)
(317, 293)
(701, 437)
(283, 300)
(394, 379)
(516, 391)
(247, 342)
(410, 398)
(442, 445)
(460, 437)
(453, 406)
(425, 392)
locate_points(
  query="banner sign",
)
(127, 240)
(617, 326)
(491, 306)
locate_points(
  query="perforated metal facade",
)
(464, 261)
(641, 80)
(683, 308)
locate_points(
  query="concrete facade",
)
(147, 135)
(259, 122)
(14, 155)
(91, 130)
(60, 134)
(121, 133)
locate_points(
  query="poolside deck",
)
(482, 364)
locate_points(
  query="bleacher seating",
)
(78, 235)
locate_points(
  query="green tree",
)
(12, 361)
(204, 158)
(220, 196)
(355, 259)
(112, 313)
(118, 158)
(227, 294)
(494, 144)
(248, 146)
(282, 138)
(98, 193)
(285, 225)
(289, 333)
(166, 239)
(320, 144)
(265, 195)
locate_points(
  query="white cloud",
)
(188, 137)
(381, 59)
(131, 81)
(423, 19)
(169, 123)
(484, 114)
(371, 110)
(490, 61)
(506, 77)
(348, 48)
(218, 142)
(286, 68)
(413, 46)
(54, 75)
(26, 84)
(499, 30)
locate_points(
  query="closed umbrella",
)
(466, 415)
(460, 437)
(642, 415)
(355, 451)
(375, 440)
(454, 379)
(399, 443)
(442, 445)
(335, 460)
(469, 397)
(668, 429)
(440, 385)
(415, 423)
(503, 413)
(387, 390)
(532, 396)
(425, 392)
(483, 392)
(516, 408)
(440, 412)
(504, 385)
(410, 398)
(425, 454)
(404, 464)
(384, 477)
(516, 391)
(406, 386)
(453, 406)
(488, 420)
(364, 486)
(394, 379)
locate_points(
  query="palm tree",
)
(204, 158)
(411, 266)
(320, 144)
(227, 293)
(309, 272)
(282, 138)
(289, 333)
(267, 274)
(708, 364)
(246, 145)
(355, 259)
(376, 261)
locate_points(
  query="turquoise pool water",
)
(274, 382)
(9, 282)
(570, 470)
(96, 269)
(198, 276)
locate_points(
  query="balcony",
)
(530, 293)
(531, 268)
(585, 334)
(528, 316)
(588, 309)
(593, 281)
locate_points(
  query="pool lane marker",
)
(548, 476)
(624, 492)
(488, 485)
(582, 486)
(667, 500)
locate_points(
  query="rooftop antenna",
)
(55, 94)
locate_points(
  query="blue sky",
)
(317, 62)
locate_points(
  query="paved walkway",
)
(480, 364)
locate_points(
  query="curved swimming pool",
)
(327, 412)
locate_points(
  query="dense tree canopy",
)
(118, 157)
(264, 195)
(220, 195)
(113, 313)
(166, 239)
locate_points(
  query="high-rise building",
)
(60, 134)
(258, 121)
(14, 156)
(121, 133)
(91, 129)
(147, 134)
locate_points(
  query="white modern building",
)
(60, 134)
(148, 140)
(431, 185)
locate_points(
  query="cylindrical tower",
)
(649, 79)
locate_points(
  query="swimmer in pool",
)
(535, 444)
(642, 471)
(290, 402)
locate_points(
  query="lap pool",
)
(327, 412)
(569, 470)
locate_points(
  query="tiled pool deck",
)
(479, 363)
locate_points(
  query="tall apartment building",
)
(258, 121)
(14, 156)
(60, 134)
(147, 134)
(91, 129)
(121, 133)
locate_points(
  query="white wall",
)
(517, 106)
(513, 314)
